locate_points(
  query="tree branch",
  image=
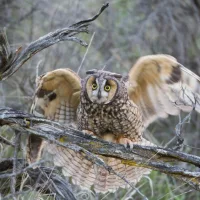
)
(11, 61)
(155, 158)
(5, 141)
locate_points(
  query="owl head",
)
(102, 87)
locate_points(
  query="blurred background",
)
(127, 30)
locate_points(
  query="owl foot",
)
(126, 142)
(89, 133)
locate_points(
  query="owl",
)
(105, 107)
(113, 107)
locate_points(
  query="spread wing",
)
(57, 98)
(160, 86)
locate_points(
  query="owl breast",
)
(121, 118)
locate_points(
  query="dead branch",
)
(5, 141)
(155, 158)
(44, 178)
(11, 61)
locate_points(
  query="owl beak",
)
(99, 94)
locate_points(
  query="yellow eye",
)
(94, 86)
(107, 88)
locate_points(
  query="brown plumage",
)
(110, 111)
(114, 108)
(85, 174)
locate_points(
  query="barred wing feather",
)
(160, 86)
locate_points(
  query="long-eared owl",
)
(105, 107)
(113, 107)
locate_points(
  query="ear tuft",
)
(92, 71)
(117, 75)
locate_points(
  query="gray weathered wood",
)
(11, 61)
(156, 158)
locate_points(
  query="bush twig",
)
(11, 61)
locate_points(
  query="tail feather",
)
(87, 174)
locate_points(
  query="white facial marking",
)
(95, 92)
(103, 92)
(100, 90)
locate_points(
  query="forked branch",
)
(11, 61)
(155, 158)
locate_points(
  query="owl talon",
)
(86, 132)
(130, 145)
(126, 142)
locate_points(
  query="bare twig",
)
(13, 179)
(179, 127)
(5, 141)
(45, 178)
(85, 53)
(10, 61)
